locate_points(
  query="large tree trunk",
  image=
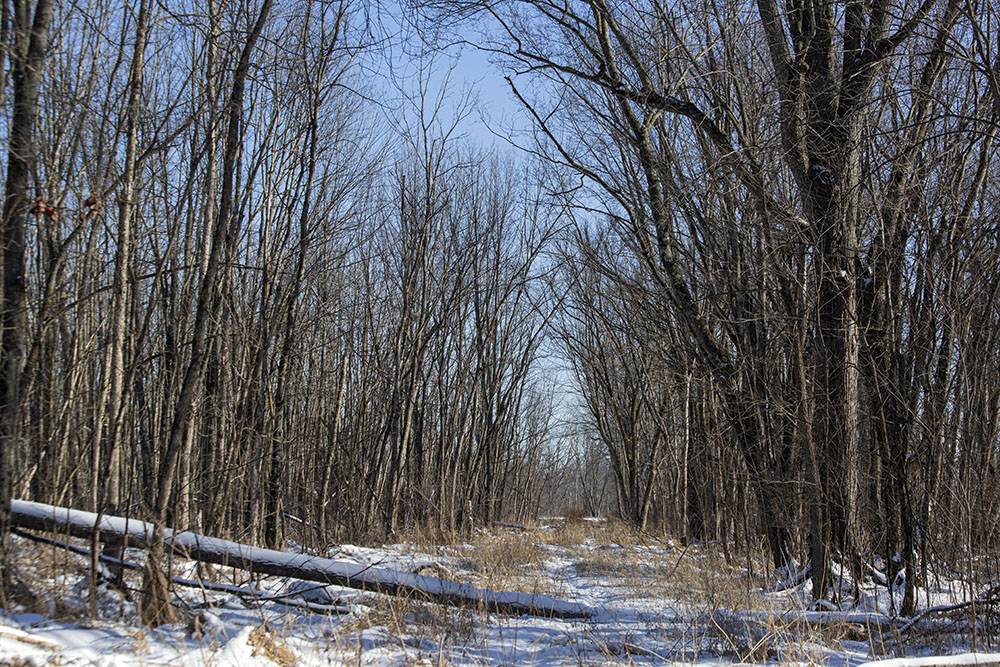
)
(31, 37)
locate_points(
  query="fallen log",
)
(247, 594)
(38, 516)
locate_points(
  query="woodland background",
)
(248, 291)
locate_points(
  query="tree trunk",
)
(223, 238)
(31, 37)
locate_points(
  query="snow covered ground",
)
(658, 603)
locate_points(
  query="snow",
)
(655, 604)
(934, 661)
(237, 652)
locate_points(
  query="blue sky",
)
(460, 70)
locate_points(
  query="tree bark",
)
(31, 37)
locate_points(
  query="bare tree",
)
(30, 37)
(788, 215)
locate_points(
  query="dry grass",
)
(651, 568)
(575, 530)
(705, 579)
(503, 561)
(645, 566)
(265, 645)
(621, 566)
(607, 561)
(404, 617)
(46, 581)
(376, 614)
(428, 539)
(503, 553)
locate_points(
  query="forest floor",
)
(658, 602)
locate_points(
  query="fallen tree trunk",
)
(37, 516)
(247, 594)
